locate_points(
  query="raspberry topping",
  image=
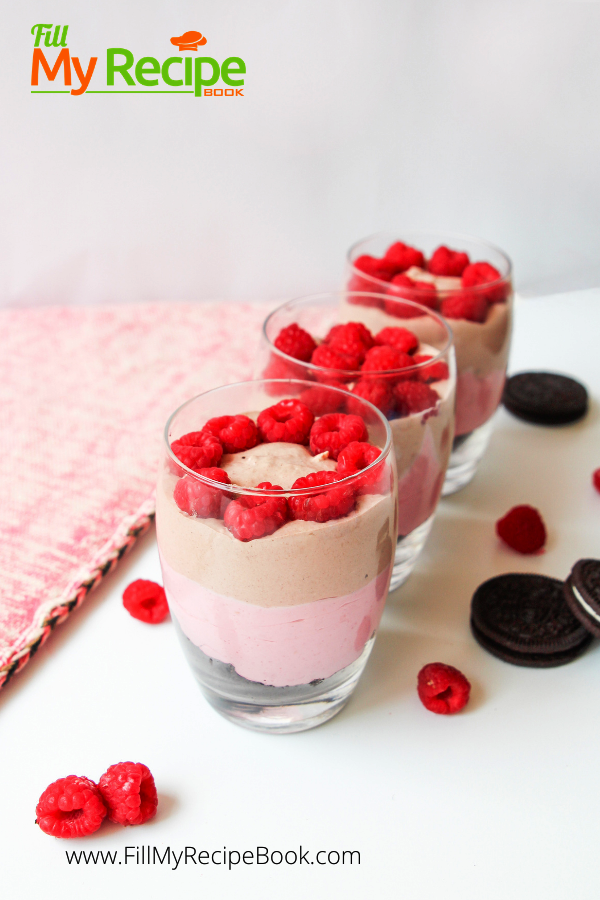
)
(376, 390)
(251, 517)
(465, 305)
(382, 269)
(403, 257)
(442, 689)
(71, 807)
(596, 480)
(198, 499)
(146, 601)
(482, 273)
(414, 397)
(129, 792)
(438, 371)
(322, 506)
(235, 433)
(356, 457)
(320, 401)
(448, 262)
(328, 358)
(523, 529)
(296, 342)
(385, 359)
(198, 450)
(335, 431)
(419, 292)
(289, 421)
(398, 338)
(350, 332)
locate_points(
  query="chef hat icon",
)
(191, 40)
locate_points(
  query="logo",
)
(201, 76)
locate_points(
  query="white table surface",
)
(501, 801)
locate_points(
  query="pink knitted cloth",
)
(85, 393)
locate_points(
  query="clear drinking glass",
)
(422, 439)
(277, 628)
(481, 346)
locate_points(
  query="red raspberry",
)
(398, 338)
(438, 371)
(334, 432)
(376, 390)
(350, 332)
(442, 689)
(320, 401)
(385, 359)
(465, 305)
(523, 529)
(198, 450)
(146, 601)
(129, 792)
(71, 807)
(356, 457)
(251, 517)
(381, 269)
(236, 433)
(414, 397)
(419, 292)
(321, 506)
(198, 499)
(328, 358)
(483, 273)
(596, 480)
(289, 421)
(403, 257)
(296, 342)
(277, 367)
(448, 262)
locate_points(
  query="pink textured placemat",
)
(85, 393)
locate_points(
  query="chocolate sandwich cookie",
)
(545, 398)
(582, 593)
(524, 619)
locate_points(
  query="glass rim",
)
(298, 492)
(357, 372)
(451, 236)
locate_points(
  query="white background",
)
(473, 116)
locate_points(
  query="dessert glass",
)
(422, 441)
(276, 629)
(481, 347)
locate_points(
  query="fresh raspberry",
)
(419, 292)
(403, 257)
(448, 262)
(465, 305)
(381, 269)
(235, 433)
(335, 431)
(71, 807)
(596, 480)
(523, 529)
(414, 397)
(438, 371)
(350, 332)
(198, 450)
(321, 401)
(296, 342)
(398, 338)
(442, 689)
(129, 792)
(356, 457)
(483, 273)
(328, 358)
(376, 390)
(385, 359)
(251, 517)
(289, 421)
(321, 506)
(198, 499)
(146, 601)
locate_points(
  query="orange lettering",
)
(63, 59)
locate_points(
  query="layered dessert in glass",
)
(276, 531)
(469, 283)
(410, 379)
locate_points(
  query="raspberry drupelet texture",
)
(399, 338)
(402, 257)
(289, 421)
(146, 601)
(320, 401)
(322, 505)
(437, 371)
(251, 517)
(71, 807)
(235, 433)
(129, 793)
(198, 450)
(356, 457)
(414, 397)
(523, 529)
(442, 689)
(448, 262)
(376, 390)
(350, 332)
(329, 358)
(481, 273)
(385, 359)
(335, 431)
(198, 499)
(296, 342)
(466, 305)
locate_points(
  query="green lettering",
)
(174, 82)
(111, 68)
(57, 40)
(188, 71)
(199, 81)
(38, 31)
(233, 65)
(147, 65)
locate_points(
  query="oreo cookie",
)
(582, 593)
(545, 398)
(524, 619)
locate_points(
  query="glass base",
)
(467, 452)
(408, 550)
(262, 707)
